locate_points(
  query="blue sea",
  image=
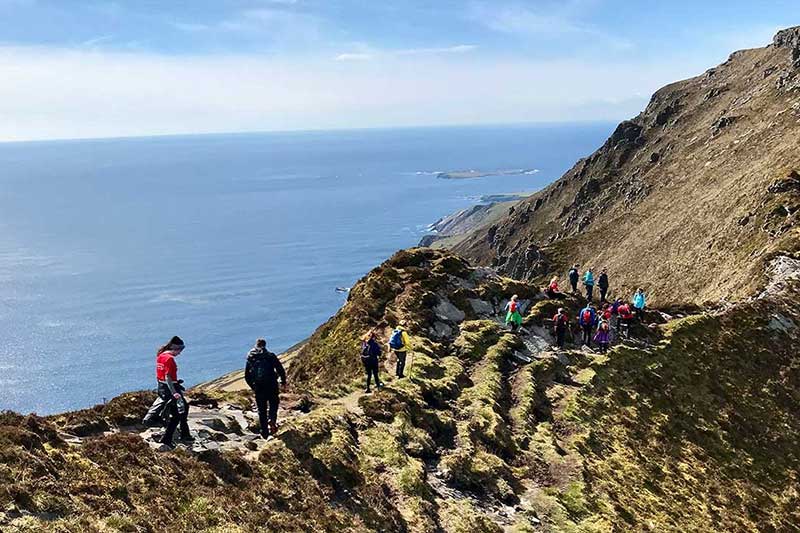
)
(110, 247)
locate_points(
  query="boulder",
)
(481, 308)
(447, 312)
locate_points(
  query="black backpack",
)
(261, 369)
(365, 351)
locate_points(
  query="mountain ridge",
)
(704, 179)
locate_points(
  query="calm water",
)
(109, 247)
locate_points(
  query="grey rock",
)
(781, 323)
(481, 307)
(447, 312)
(441, 330)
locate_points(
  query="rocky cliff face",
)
(690, 198)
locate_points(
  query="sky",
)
(78, 69)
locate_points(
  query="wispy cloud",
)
(160, 94)
(457, 49)
(545, 20)
(91, 43)
(191, 26)
(354, 56)
(366, 53)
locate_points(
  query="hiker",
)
(602, 284)
(552, 290)
(573, 277)
(399, 342)
(370, 352)
(170, 389)
(513, 316)
(625, 319)
(602, 337)
(639, 303)
(261, 373)
(560, 326)
(586, 319)
(588, 282)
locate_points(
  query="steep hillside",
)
(692, 426)
(688, 199)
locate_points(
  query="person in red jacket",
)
(625, 319)
(171, 390)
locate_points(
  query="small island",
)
(469, 174)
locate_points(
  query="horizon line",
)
(307, 130)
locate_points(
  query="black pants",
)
(639, 313)
(267, 396)
(401, 363)
(603, 291)
(589, 289)
(586, 338)
(561, 334)
(555, 295)
(574, 283)
(603, 347)
(175, 419)
(371, 368)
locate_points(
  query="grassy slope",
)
(698, 433)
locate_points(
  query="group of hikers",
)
(264, 371)
(604, 326)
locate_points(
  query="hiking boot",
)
(166, 447)
(273, 427)
(380, 385)
(187, 439)
(264, 435)
(367, 391)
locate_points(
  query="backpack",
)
(396, 340)
(586, 317)
(365, 351)
(513, 307)
(260, 368)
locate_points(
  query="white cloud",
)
(366, 53)
(354, 56)
(58, 93)
(457, 49)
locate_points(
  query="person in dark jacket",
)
(261, 373)
(560, 326)
(602, 284)
(574, 275)
(170, 391)
(370, 354)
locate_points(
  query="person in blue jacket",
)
(587, 318)
(588, 282)
(639, 302)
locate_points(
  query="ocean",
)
(109, 247)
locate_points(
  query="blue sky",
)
(92, 68)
